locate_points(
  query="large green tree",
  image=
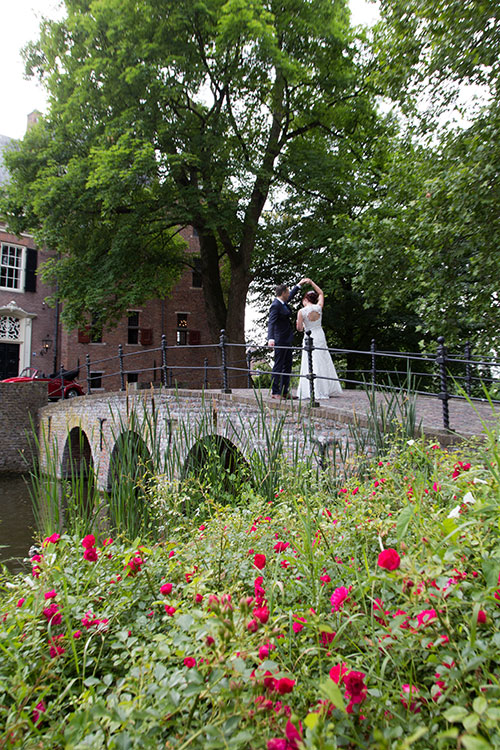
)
(168, 114)
(431, 240)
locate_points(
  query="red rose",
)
(262, 614)
(284, 685)
(259, 561)
(355, 685)
(88, 541)
(389, 559)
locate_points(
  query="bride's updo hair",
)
(312, 297)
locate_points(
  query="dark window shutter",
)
(84, 337)
(146, 336)
(194, 338)
(30, 275)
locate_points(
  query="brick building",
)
(31, 334)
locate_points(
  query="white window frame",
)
(21, 269)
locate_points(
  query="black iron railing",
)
(432, 374)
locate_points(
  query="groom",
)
(280, 334)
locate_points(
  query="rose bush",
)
(364, 617)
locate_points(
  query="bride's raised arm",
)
(319, 291)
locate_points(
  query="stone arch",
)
(77, 459)
(130, 468)
(225, 454)
(130, 458)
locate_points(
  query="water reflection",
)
(17, 522)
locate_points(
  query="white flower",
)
(469, 498)
(410, 442)
(455, 513)
(476, 480)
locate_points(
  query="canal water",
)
(17, 522)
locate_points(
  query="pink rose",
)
(166, 588)
(338, 598)
(39, 709)
(281, 546)
(389, 559)
(190, 662)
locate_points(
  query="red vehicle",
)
(71, 388)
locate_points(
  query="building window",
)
(96, 380)
(96, 330)
(182, 332)
(133, 327)
(132, 377)
(197, 281)
(11, 267)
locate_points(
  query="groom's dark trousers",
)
(280, 329)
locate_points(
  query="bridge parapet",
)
(169, 421)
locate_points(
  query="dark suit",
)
(280, 329)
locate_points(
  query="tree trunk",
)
(212, 289)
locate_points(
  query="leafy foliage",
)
(272, 623)
(163, 116)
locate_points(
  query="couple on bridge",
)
(280, 336)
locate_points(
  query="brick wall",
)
(155, 318)
(19, 407)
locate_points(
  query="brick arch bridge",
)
(84, 432)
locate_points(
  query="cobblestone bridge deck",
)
(466, 420)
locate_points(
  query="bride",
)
(326, 382)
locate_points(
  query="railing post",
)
(89, 379)
(468, 369)
(61, 376)
(443, 395)
(223, 345)
(164, 371)
(310, 376)
(374, 365)
(205, 373)
(249, 369)
(122, 371)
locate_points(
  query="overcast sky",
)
(19, 22)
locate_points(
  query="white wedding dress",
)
(326, 382)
